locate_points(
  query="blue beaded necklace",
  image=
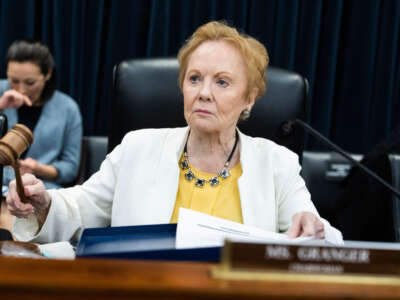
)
(213, 181)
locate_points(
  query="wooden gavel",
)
(12, 145)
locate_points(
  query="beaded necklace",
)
(213, 181)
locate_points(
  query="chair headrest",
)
(146, 94)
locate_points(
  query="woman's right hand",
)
(14, 99)
(35, 191)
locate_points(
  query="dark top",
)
(29, 116)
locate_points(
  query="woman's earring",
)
(245, 114)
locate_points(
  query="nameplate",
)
(308, 259)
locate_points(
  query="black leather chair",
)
(93, 152)
(394, 160)
(355, 203)
(324, 173)
(146, 95)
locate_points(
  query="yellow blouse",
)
(221, 201)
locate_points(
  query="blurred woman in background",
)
(29, 97)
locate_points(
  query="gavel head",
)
(14, 143)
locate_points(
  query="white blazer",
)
(138, 181)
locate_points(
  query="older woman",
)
(208, 166)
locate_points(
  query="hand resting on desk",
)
(306, 224)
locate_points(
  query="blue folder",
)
(155, 242)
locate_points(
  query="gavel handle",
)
(20, 186)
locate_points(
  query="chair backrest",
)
(93, 152)
(324, 173)
(146, 95)
(356, 204)
(394, 160)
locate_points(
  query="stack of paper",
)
(197, 229)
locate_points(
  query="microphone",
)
(287, 128)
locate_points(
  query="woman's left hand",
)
(32, 166)
(28, 165)
(306, 224)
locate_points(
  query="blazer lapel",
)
(257, 194)
(168, 170)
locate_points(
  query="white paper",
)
(59, 250)
(197, 229)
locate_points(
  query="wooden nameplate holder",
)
(308, 263)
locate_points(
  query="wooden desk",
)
(123, 279)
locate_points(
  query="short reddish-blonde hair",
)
(253, 52)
